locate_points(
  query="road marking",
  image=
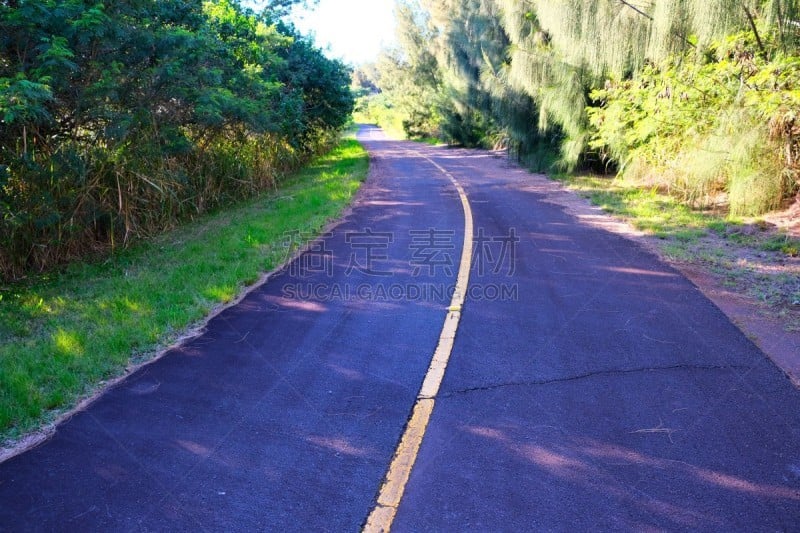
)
(382, 516)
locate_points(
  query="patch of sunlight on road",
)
(194, 448)
(339, 446)
(640, 272)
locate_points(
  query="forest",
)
(121, 118)
(696, 98)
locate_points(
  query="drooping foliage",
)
(695, 96)
(119, 118)
(564, 49)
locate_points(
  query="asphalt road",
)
(590, 387)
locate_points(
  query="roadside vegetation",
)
(373, 106)
(696, 99)
(377, 109)
(149, 158)
(120, 120)
(63, 333)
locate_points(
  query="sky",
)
(351, 30)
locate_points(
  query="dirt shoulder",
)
(758, 289)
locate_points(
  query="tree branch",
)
(755, 32)
(650, 18)
(642, 13)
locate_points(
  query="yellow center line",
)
(382, 516)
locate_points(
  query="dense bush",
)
(121, 118)
(722, 130)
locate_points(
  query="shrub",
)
(701, 129)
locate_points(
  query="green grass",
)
(431, 141)
(659, 214)
(63, 334)
(667, 218)
(783, 244)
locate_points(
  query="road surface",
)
(589, 386)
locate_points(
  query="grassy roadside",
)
(62, 335)
(749, 256)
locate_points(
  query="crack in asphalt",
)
(587, 375)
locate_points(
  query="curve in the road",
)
(382, 516)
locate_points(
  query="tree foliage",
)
(121, 117)
(638, 84)
(701, 128)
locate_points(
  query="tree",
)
(534, 73)
(120, 118)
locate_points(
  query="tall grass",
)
(83, 201)
(735, 165)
